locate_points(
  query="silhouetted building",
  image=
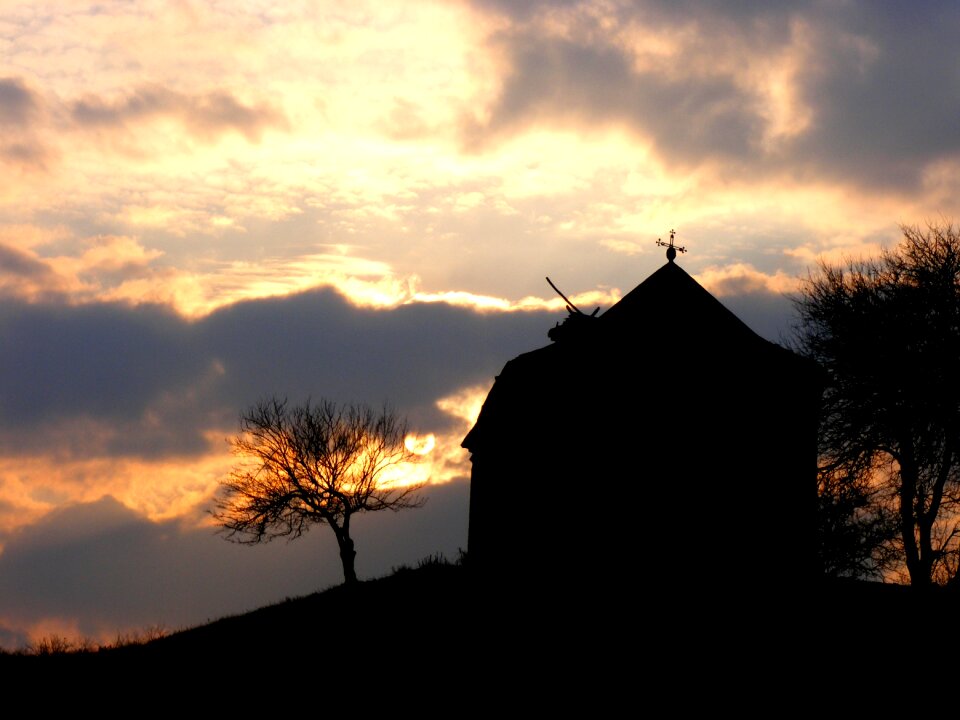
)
(663, 440)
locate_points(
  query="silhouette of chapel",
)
(663, 439)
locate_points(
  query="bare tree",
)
(313, 464)
(856, 524)
(887, 331)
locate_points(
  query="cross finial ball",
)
(672, 249)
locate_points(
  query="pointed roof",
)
(667, 321)
(673, 297)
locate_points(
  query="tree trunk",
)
(916, 550)
(347, 557)
(925, 546)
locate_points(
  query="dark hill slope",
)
(439, 625)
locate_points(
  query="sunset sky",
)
(206, 203)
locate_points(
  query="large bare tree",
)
(313, 464)
(887, 331)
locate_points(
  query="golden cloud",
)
(742, 278)
(33, 486)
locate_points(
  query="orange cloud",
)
(170, 488)
(448, 460)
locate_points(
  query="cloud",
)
(99, 269)
(143, 381)
(558, 81)
(112, 253)
(23, 275)
(21, 110)
(90, 365)
(206, 116)
(18, 263)
(18, 104)
(885, 90)
(853, 92)
(743, 279)
(406, 121)
(25, 155)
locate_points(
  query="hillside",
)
(436, 623)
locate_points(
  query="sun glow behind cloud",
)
(420, 444)
(442, 460)
(159, 490)
(172, 488)
(450, 461)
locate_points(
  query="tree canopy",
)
(887, 331)
(313, 464)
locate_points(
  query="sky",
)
(203, 204)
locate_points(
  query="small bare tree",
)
(313, 464)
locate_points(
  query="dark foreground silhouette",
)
(437, 628)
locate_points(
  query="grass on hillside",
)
(60, 645)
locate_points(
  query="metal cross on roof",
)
(672, 249)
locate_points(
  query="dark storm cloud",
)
(880, 82)
(887, 97)
(142, 381)
(18, 104)
(317, 343)
(112, 569)
(105, 363)
(556, 80)
(207, 115)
